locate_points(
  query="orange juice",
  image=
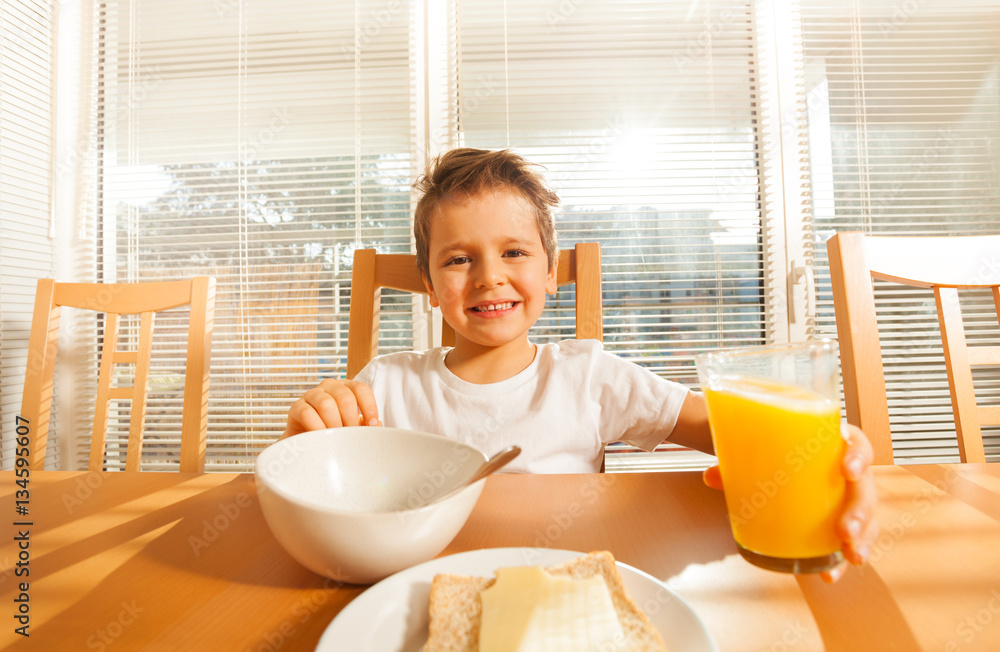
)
(779, 449)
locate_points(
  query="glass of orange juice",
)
(775, 418)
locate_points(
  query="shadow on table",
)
(857, 613)
(177, 547)
(183, 534)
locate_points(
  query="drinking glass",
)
(775, 418)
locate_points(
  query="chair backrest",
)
(945, 264)
(143, 299)
(373, 271)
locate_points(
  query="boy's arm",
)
(691, 429)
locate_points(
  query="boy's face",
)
(489, 272)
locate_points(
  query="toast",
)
(456, 610)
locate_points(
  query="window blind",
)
(644, 116)
(25, 193)
(259, 143)
(903, 133)
(262, 143)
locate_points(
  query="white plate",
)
(391, 616)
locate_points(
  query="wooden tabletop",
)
(124, 561)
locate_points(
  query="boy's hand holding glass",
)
(799, 490)
(333, 404)
(856, 526)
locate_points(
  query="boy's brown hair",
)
(465, 172)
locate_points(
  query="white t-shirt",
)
(561, 410)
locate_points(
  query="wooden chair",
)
(144, 299)
(373, 271)
(945, 264)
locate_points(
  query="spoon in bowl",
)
(491, 465)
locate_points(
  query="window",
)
(710, 147)
(652, 145)
(903, 129)
(26, 184)
(259, 144)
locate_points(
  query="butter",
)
(528, 610)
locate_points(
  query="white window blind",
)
(26, 75)
(644, 114)
(263, 142)
(259, 143)
(904, 130)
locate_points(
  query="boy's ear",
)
(551, 284)
(430, 291)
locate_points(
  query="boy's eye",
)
(515, 253)
(457, 260)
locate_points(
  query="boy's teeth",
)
(496, 306)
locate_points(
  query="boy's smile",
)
(489, 273)
(491, 309)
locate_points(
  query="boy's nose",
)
(490, 274)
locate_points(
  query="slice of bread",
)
(456, 610)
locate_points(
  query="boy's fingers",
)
(857, 526)
(326, 406)
(856, 551)
(834, 573)
(712, 477)
(858, 548)
(859, 454)
(333, 404)
(302, 418)
(307, 417)
(347, 406)
(365, 402)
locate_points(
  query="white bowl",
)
(358, 504)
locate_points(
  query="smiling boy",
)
(486, 248)
(490, 282)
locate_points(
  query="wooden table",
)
(185, 561)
